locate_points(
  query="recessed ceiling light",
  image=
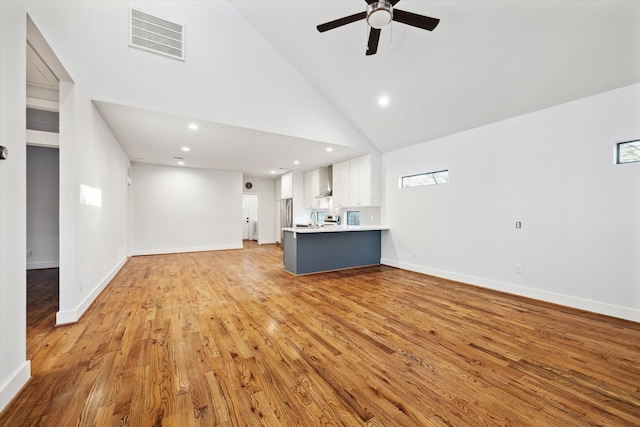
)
(185, 148)
(295, 162)
(193, 126)
(273, 171)
(181, 163)
(383, 100)
(329, 149)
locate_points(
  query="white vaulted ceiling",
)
(486, 61)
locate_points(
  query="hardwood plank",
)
(228, 338)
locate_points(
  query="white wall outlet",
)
(80, 285)
(519, 268)
(413, 255)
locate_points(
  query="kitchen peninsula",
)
(318, 249)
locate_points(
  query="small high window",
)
(353, 217)
(428, 178)
(628, 152)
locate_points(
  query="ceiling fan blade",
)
(374, 37)
(342, 21)
(415, 20)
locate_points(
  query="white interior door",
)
(246, 214)
(254, 209)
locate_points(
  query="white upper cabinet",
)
(364, 180)
(286, 185)
(356, 182)
(315, 183)
(341, 184)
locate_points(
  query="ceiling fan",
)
(379, 14)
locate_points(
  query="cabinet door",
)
(310, 189)
(341, 184)
(358, 168)
(286, 186)
(364, 179)
(373, 180)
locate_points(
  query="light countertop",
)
(336, 228)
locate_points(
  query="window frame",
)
(621, 144)
(433, 174)
(352, 215)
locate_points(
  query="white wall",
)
(185, 209)
(246, 83)
(552, 170)
(42, 207)
(265, 189)
(93, 239)
(14, 368)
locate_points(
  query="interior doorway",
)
(43, 193)
(250, 217)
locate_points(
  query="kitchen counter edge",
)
(336, 228)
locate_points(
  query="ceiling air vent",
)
(155, 34)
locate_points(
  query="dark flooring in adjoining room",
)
(228, 338)
(42, 306)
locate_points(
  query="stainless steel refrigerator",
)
(286, 216)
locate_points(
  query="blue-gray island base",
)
(306, 253)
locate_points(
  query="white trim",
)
(10, 388)
(42, 264)
(72, 316)
(42, 48)
(165, 251)
(39, 138)
(552, 297)
(43, 104)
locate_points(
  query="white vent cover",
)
(155, 34)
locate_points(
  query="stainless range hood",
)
(329, 184)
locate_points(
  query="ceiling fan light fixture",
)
(379, 14)
(379, 19)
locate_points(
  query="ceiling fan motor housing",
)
(379, 14)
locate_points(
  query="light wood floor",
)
(228, 338)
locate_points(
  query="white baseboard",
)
(552, 297)
(10, 388)
(38, 265)
(164, 251)
(64, 317)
